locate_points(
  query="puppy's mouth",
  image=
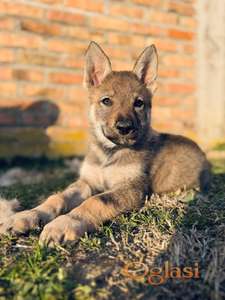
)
(119, 139)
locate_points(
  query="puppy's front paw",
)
(21, 222)
(62, 230)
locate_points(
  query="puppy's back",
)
(177, 162)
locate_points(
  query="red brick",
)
(188, 74)
(29, 75)
(116, 52)
(61, 45)
(7, 23)
(6, 73)
(15, 101)
(6, 55)
(38, 91)
(7, 88)
(109, 23)
(80, 33)
(168, 73)
(40, 27)
(181, 7)
(179, 88)
(180, 34)
(74, 116)
(124, 39)
(162, 17)
(190, 49)
(19, 9)
(50, 1)
(178, 60)
(165, 45)
(121, 65)
(153, 3)
(65, 17)
(166, 101)
(189, 101)
(26, 56)
(121, 39)
(77, 95)
(188, 22)
(97, 36)
(162, 111)
(65, 78)
(19, 40)
(49, 60)
(96, 5)
(73, 62)
(148, 29)
(116, 9)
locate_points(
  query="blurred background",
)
(43, 106)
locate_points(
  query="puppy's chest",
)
(104, 177)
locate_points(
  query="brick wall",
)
(42, 42)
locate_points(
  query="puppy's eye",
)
(106, 101)
(138, 103)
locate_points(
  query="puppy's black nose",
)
(124, 126)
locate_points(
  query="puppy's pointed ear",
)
(146, 67)
(97, 66)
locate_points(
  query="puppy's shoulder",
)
(163, 141)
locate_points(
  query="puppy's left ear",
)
(146, 67)
(97, 66)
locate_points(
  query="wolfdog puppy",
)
(127, 160)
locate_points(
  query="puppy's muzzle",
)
(125, 127)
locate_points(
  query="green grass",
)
(183, 228)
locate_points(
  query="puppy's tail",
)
(8, 208)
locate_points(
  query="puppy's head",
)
(120, 102)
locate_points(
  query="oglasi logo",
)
(159, 275)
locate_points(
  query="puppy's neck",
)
(110, 151)
(103, 146)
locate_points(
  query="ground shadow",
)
(23, 128)
(198, 242)
(41, 114)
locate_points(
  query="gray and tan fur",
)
(126, 161)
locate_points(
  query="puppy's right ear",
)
(97, 66)
(146, 67)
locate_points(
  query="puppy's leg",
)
(55, 205)
(92, 213)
